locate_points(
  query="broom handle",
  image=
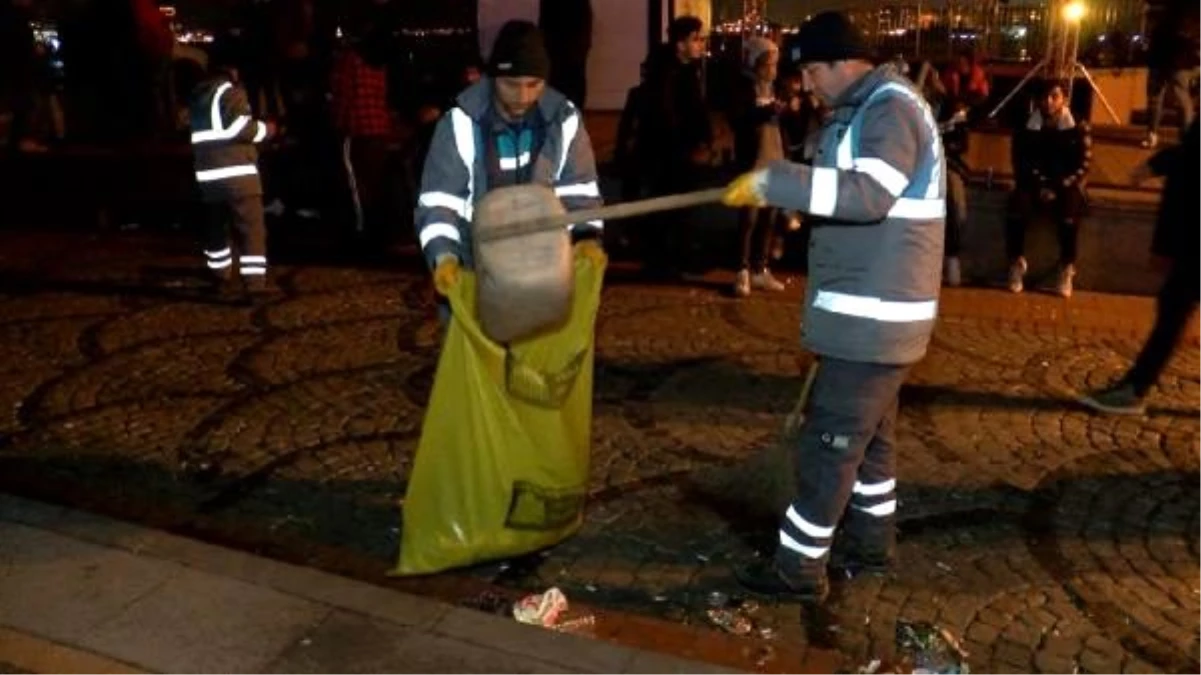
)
(797, 416)
(610, 212)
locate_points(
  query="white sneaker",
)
(742, 284)
(764, 281)
(1064, 285)
(1017, 274)
(952, 275)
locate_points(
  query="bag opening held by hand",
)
(525, 282)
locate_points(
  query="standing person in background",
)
(359, 102)
(678, 137)
(952, 124)
(1172, 61)
(19, 74)
(966, 83)
(799, 121)
(224, 136)
(754, 117)
(567, 25)
(156, 45)
(258, 65)
(1176, 245)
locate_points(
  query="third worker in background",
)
(876, 195)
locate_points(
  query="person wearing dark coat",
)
(1051, 158)
(676, 137)
(1175, 244)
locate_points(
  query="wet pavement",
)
(1042, 537)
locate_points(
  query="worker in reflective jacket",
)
(877, 194)
(509, 128)
(224, 139)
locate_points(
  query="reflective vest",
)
(224, 138)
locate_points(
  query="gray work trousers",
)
(846, 457)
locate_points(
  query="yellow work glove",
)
(591, 250)
(747, 190)
(446, 274)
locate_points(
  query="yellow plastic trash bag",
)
(502, 466)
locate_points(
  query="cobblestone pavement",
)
(1048, 538)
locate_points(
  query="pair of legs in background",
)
(956, 218)
(756, 235)
(1175, 306)
(846, 475)
(236, 232)
(1160, 83)
(1067, 205)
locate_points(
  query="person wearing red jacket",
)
(359, 99)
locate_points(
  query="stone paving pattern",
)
(1048, 538)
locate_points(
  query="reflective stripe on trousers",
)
(847, 448)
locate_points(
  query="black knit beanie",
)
(519, 51)
(830, 36)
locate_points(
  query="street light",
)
(1059, 61)
(1074, 11)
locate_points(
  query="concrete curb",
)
(421, 618)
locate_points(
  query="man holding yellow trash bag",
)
(502, 466)
(878, 189)
(507, 129)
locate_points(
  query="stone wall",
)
(1114, 246)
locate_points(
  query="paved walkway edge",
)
(421, 619)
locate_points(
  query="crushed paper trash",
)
(541, 609)
(551, 610)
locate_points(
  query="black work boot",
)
(804, 583)
(256, 285)
(1118, 399)
(853, 562)
(867, 545)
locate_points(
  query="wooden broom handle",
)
(610, 212)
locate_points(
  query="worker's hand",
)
(1141, 174)
(590, 249)
(446, 274)
(747, 190)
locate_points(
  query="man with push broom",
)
(877, 195)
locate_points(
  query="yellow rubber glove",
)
(591, 250)
(446, 274)
(746, 190)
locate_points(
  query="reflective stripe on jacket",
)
(224, 134)
(878, 185)
(455, 174)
